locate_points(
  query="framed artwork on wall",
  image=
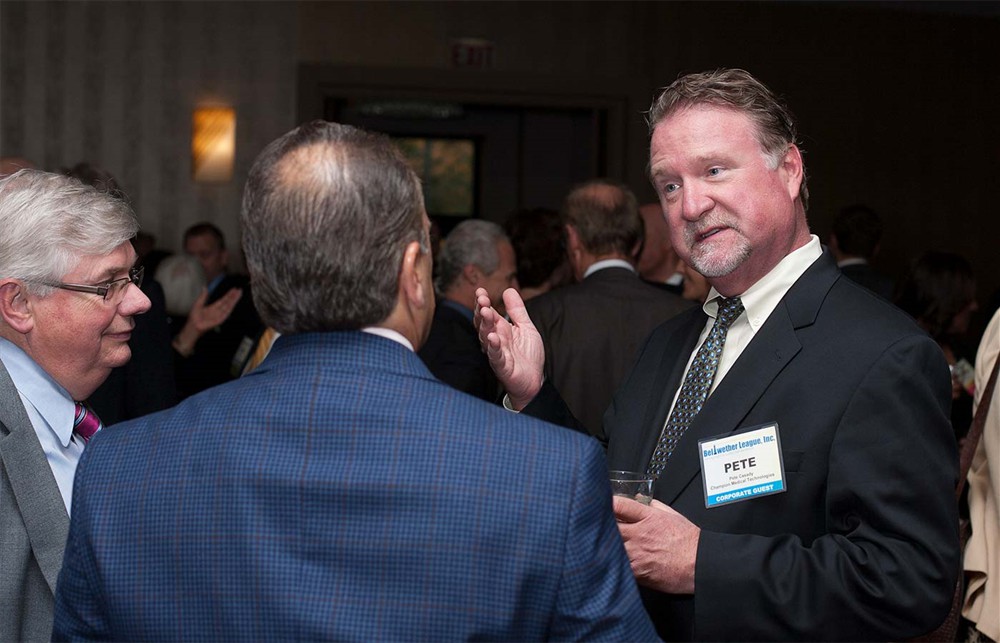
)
(447, 168)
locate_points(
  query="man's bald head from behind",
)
(327, 212)
(11, 164)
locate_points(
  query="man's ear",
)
(792, 170)
(637, 250)
(832, 242)
(412, 283)
(472, 274)
(15, 306)
(572, 239)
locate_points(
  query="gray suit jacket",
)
(33, 525)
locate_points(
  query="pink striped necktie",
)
(86, 423)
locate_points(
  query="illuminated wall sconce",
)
(213, 144)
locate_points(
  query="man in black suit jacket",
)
(854, 242)
(211, 355)
(599, 324)
(823, 390)
(476, 254)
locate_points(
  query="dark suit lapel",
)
(773, 347)
(39, 502)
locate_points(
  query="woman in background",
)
(940, 294)
(982, 553)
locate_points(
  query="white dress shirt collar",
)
(760, 299)
(608, 263)
(388, 333)
(675, 279)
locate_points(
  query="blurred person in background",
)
(592, 330)
(658, 263)
(475, 254)
(939, 292)
(696, 287)
(540, 247)
(982, 553)
(183, 280)
(11, 164)
(855, 242)
(216, 351)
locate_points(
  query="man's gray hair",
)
(50, 221)
(471, 242)
(738, 90)
(327, 213)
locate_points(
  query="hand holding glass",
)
(635, 485)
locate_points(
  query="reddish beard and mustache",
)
(715, 243)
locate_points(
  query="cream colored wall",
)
(115, 83)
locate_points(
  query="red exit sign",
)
(476, 53)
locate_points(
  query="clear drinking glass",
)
(632, 484)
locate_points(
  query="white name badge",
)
(742, 466)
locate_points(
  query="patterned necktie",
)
(697, 384)
(86, 423)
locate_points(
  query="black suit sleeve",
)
(549, 405)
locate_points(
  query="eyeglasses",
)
(111, 290)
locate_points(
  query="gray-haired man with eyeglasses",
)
(66, 314)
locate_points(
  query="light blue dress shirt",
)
(51, 410)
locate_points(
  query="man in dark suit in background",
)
(207, 356)
(854, 242)
(67, 309)
(797, 426)
(658, 263)
(475, 254)
(598, 324)
(340, 491)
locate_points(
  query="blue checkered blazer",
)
(340, 492)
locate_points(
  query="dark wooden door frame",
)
(623, 100)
